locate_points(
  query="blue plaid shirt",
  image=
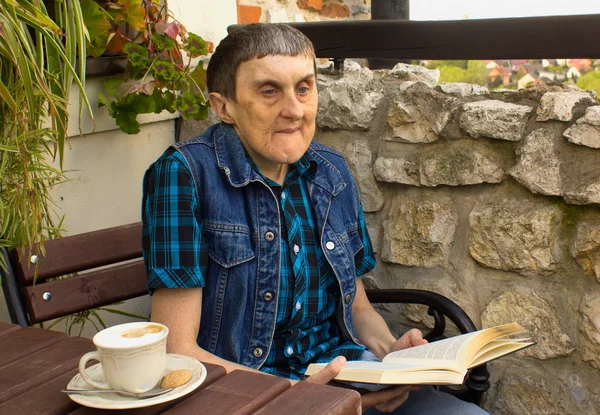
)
(309, 293)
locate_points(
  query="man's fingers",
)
(394, 403)
(416, 338)
(383, 396)
(329, 372)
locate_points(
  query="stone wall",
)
(277, 11)
(491, 198)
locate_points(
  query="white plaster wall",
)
(105, 166)
(206, 18)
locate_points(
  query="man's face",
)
(276, 108)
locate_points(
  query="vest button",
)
(268, 296)
(348, 298)
(269, 236)
(330, 245)
(258, 352)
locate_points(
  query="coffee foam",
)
(130, 335)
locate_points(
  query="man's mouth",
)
(288, 130)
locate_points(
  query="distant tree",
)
(497, 82)
(452, 74)
(521, 72)
(438, 64)
(476, 73)
(590, 80)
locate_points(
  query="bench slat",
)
(83, 292)
(80, 252)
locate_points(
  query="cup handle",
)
(83, 372)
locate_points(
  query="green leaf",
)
(127, 122)
(165, 71)
(199, 76)
(112, 85)
(137, 54)
(117, 12)
(5, 93)
(98, 25)
(202, 112)
(135, 14)
(141, 104)
(196, 46)
(103, 101)
(163, 42)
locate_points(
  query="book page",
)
(447, 349)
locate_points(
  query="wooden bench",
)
(106, 266)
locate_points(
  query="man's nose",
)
(292, 108)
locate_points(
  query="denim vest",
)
(241, 224)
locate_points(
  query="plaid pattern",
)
(174, 252)
(306, 330)
(177, 257)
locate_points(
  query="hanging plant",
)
(160, 74)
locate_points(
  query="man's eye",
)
(303, 89)
(269, 92)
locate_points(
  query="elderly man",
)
(254, 237)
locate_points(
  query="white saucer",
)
(116, 401)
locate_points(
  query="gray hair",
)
(252, 41)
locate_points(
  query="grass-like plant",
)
(38, 66)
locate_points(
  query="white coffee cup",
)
(133, 356)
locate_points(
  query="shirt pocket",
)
(228, 244)
(351, 240)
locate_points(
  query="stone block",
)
(397, 170)
(520, 393)
(515, 236)
(538, 167)
(462, 90)
(536, 315)
(561, 105)
(359, 158)
(248, 14)
(419, 114)
(586, 131)
(419, 234)
(590, 329)
(586, 247)
(584, 195)
(405, 72)
(335, 11)
(310, 4)
(461, 162)
(276, 16)
(349, 102)
(495, 119)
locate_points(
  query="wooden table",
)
(35, 364)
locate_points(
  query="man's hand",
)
(329, 372)
(411, 338)
(387, 400)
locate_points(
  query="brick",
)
(335, 11)
(310, 4)
(248, 14)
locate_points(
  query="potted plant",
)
(39, 63)
(162, 71)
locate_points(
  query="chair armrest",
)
(439, 306)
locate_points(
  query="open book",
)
(444, 362)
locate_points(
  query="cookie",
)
(176, 378)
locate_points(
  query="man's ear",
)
(219, 105)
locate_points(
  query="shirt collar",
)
(232, 159)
